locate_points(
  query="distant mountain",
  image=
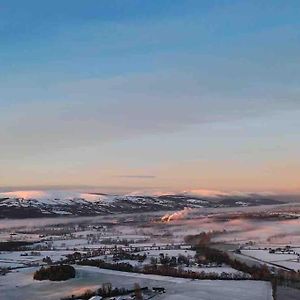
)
(53, 204)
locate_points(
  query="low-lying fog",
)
(261, 224)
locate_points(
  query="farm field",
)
(91, 278)
(135, 243)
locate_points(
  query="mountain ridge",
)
(93, 204)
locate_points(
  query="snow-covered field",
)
(20, 285)
(285, 260)
(293, 265)
(269, 257)
(18, 259)
(153, 238)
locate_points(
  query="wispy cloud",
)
(137, 176)
(132, 106)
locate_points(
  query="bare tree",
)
(138, 292)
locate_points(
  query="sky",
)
(160, 95)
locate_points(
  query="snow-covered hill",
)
(28, 204)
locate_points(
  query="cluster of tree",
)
(108, 291)
(74, 256)
(55, 273)
(179, 272)
(70, 258)
(203, 238)
(183, 260)
(173, 261)
(14, 245)
(285, 250)
(131, 256)
(125, 267)
(166, 260)
(214, 255)
(110, 241)
(48, 260)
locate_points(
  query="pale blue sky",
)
(166, 95)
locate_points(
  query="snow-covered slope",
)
(24, 204)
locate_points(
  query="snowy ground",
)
(269, 257)
(285, 260)
(294, 265)
(16, 259)
(6, 236)
(20, 285)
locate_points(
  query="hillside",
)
(49, 205)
